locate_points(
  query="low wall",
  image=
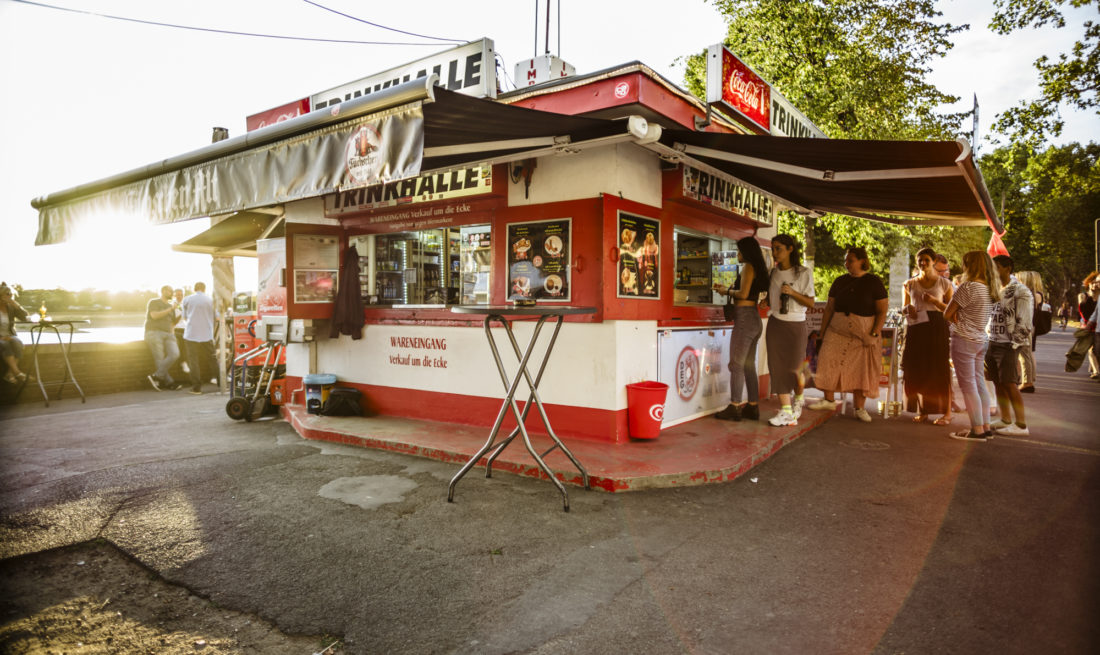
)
(99, 368)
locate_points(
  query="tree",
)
(1073, 80)
(856, 68)
(1051, 199)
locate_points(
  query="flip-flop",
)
(943, 420)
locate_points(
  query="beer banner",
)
(371, 150)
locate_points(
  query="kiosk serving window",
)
(701, 261)
(425, 267)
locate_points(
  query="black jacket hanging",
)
(347, 316)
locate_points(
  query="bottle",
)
(784, 303)
(42, 312)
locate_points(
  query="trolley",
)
(250, 385)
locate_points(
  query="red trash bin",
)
(645, 407)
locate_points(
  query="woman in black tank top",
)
(752, 280)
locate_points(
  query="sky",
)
(87, 97)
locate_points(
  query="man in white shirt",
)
(198, 336)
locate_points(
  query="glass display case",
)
(426, 267)
(476, 264)
(702, 261)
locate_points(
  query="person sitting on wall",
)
(11, 348)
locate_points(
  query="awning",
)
(903, 182)
(236, 235)
(316, 154)
(900, 182)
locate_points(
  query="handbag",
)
(727, 309)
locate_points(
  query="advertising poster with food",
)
(639, 257)
(538, 260)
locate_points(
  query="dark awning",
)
(236, 235)
(305, 157)
(901, 182)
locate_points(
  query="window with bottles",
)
(701, 261)
(426, 267)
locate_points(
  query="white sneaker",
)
(862, 415)
(1012, 430)
(824, 404)
(796, 407)
(967, 435)
(998, 425)
(784, 417)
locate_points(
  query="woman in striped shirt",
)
(968, 313)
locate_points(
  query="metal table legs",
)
(521, 417)
(36, 338)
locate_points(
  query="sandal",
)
(920, 418)
(943, 420)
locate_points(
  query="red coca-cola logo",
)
(743, 90)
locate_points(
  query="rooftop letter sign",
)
(732, 84)
(469, 68)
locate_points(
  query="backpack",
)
(1041, 320)
(342, 401)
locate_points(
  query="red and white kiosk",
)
(615, 190)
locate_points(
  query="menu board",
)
(639, 272)
(538, 260)
(316, 268)
(315, 286)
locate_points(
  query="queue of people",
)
(983, 325)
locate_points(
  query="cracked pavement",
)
(885, 537)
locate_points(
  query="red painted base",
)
(698, 452)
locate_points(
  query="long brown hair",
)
(978, 267)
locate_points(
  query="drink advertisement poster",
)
(538, 260)
(639, 257)
(271, 293)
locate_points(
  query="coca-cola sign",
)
(735, 85)
(277, 114)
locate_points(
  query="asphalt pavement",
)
(885, 537)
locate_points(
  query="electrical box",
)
(302, 330)
(272, 328)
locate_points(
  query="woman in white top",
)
(927, 342)
(790, 293)
(968, 313)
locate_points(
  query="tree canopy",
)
(856, 68)
(1051, 199)
(1072, 80)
